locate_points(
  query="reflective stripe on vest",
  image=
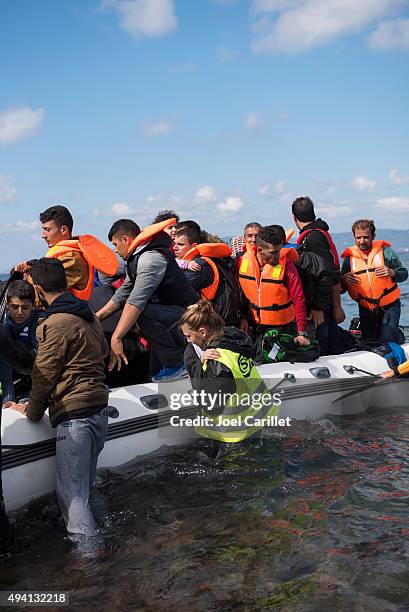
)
(251, 400)
(372, 292)
(68, 246)
(269, 298)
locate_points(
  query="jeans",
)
(159, 325)
(79, 443)
(382, 324)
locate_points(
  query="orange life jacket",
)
(372, 292)
(97, 255)
(148, 232)
(269, 298)
(207, 251)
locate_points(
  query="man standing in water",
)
(68, 378)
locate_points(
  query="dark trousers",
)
(159, 324)
(16, 354)
(328, 335)
(382, 324)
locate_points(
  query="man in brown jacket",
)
(68, 378)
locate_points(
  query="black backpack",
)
(227, 299)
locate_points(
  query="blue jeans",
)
(382, 324)
(79, 443)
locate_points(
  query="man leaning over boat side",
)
(154, 295)
(80, 255)
(371, 271)
(68, 377)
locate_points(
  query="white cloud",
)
(333, 212)
(269, 190)
(151, 129)
(270, 6)
(286, 198)
(305, 24)
(254, 122)
(397, 179)
(166, 200)
(7, 190)
(230, 205)
(206, 194)
(224, 55)
(19, 123)
(362, 183)
(182, 68)
(21, 227)
(119, 209)
(282, 117)
(393, 204)
(390, 35)
(144, 17)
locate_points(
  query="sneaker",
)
(168, 374)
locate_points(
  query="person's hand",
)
(18, 407)
(338, 314)
(117, 354)
(244, 326)
(387, 374)
(7, 404)
(22, 267)
(209, 354)
(194, 266)
(302, 341)
(351, 279)
(317, 316)
(384, 271)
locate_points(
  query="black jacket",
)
(175, 288)
(319, 273)
(218, 378)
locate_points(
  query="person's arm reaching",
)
(293, 282)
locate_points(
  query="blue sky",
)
(225, 110)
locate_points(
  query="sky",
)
(223, 110)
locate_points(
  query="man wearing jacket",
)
(154, 295)
(68, 378)
(371, 271)
(324, 305)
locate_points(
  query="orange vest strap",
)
(208, 249)
(289, 234)
(150, 231)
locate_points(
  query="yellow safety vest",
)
(252, 401)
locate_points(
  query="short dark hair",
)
(59, 214)
(364, 224)
(163, 215)
(126, 227)
(303, 209)
(271, 234)
(190, 233)
(22, 290)
(255, 224)
(193, 225)
(49, 274)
